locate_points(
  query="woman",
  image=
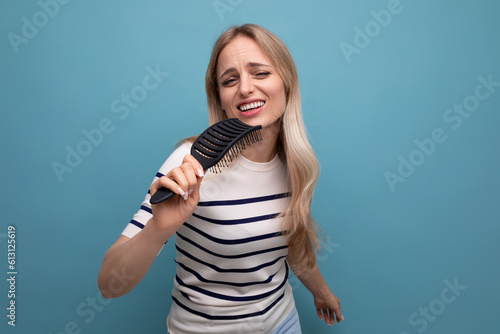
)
(237, 232)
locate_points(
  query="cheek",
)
(278, 94)
(224, 100)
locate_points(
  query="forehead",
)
(240, 51)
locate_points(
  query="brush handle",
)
(161, 195)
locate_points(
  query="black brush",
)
(216, 147)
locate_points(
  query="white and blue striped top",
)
(232, 274)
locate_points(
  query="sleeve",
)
(140, 219)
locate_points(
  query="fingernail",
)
(200, 172)
(190, 191)
(180, 191)
(185, 196)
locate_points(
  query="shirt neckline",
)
(258, 166)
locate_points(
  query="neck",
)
(265, 150)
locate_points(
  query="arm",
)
(128, 260)
(327, 304)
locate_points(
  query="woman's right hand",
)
(185, 181)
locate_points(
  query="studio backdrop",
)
(401, 100)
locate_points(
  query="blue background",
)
(389, 251)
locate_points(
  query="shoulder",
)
(175, 159)
(181, 150)
(184, 147)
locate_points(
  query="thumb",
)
(198, 183)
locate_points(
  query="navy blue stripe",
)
(236, 256)
(145, 208)
(235, 270)
(229, 317)
(203, 279)
(236, 221)
(136, 223)
(234, 241)
(185, 295)
(244, 200)
(233, 298)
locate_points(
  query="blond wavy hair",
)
(293, 146)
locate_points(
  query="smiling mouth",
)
(250, 106)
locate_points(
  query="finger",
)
(197, 186)
(191, 177)
(166, 182)
(338, 313)
(327, 316)
(320, 315)
(180, 178)
(340, 317)
(198, 168)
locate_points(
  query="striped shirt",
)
(232, 274)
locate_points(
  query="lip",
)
(249, 101)
(253, 112)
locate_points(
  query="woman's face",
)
(250, 88)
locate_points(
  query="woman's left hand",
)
(328, 307)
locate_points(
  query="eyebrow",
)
(249, 65)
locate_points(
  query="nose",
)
(246, 85)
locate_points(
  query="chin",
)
(252, 121)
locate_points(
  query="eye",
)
(228, 82)
(262, 74)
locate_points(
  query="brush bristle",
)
(243, 143)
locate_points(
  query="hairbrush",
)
(216, 147)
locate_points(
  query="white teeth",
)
(251, 105)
